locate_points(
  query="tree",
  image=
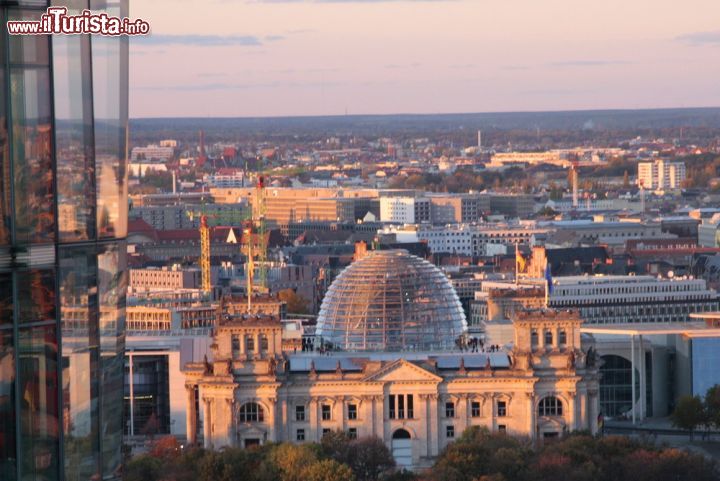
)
(230, 464)
(689, 414)
(712, 405)
(336, 445)
(142, 468)
(370, 458)
(296, 304)
(291, 459)
(478, 452)
(166, 447)
(547, 211)
(327, 470)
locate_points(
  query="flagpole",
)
(548, 281)
(547, 293)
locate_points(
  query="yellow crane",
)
(255, 241)
(204, 249)
(259, 223)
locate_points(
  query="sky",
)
(264, 58)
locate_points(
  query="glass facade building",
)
(391, 301)
(705, 354)
(63, 223)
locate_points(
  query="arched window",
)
(534, 337)
(263, 343)
(235, 346)
(550, 406)
(249, 344)
(251, 413)
(548, 338)
(562, 337)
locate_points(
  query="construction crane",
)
(259, 223)
(204, 227)
(204, 249)
(255, 241)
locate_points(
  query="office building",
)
(478, 240)
(632, 299)
(63, 121)
(661, 174)
(166, 278)
(405, 210)
(458, 208)
(512, 206)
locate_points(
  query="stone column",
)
(313, 434)
(593, 410)
(572, 410)
(462, 414)
(368, 416)
(207, 423)
(434, 426)
(232, 429)
(285, 419)
(379, 421)
(582, 407)
(425, 398)
(191, 416)
(532, 423)
(272, 419)
(338, 409)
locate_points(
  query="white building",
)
(226, 181)
(404, 210)
(708, 232)
(152, 152)
(661, 174)
(632, 299)
(469, 239)
(553, 157)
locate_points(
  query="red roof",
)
(139, 226)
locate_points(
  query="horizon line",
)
(428, 114)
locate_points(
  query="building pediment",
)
(403, 371)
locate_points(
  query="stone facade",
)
(252, 392)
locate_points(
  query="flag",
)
(520, 262)
(548, 279)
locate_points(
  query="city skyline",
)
(293, 58)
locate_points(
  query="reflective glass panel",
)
(74, 148)
(39, 422)
(36, 295)
(112, 287)
(5, 177)
(8, 456)
(109, 58)
(6, 300)
(28, 50)
(80, 362)
(32, 155)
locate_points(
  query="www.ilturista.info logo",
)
(57, 21)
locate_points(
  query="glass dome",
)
(391, 301)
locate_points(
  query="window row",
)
(400, 407)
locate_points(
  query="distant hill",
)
(569, 120)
